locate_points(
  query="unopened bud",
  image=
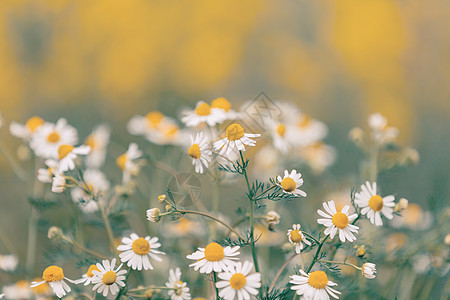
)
(55, 233)
(361, 251)
(272, 217)
(162, 198)
(356, 135)
(153, 215)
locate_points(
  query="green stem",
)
(280, 272)
(32, 240)
(109, 231)
(316, 255)
(215, 205)
(340, 263)
(311, 237)
(215, 287)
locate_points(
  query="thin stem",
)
(82, 248)
(265, 191)
(107, 227)
(215, 206)
(373, 162)
(316, 255)
(311, 237)
(215, 287)
(280, 272)
(152, 287)
(340, 263)
(295, 296)
(32, 239)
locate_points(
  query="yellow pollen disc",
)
(22, 283)
(288, 184)
(63, 150)
(222, 103)
(92, 268)
(296, 237)
(53, 273)
(214, 252)
(203, 109)
(154, 118)
(42, 288)
(376, 203)
(170, 131)
(235, 132)
(340, 220)
(237, 281)
(281, 129)
(141, 246)
(90, 141)
(318, 280)
(121, 161)
(53, 137)
(304, 122)
(109, 278)
(194, 151)
(33, 123)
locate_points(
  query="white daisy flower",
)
(58, 183)
(8, 262)
(20, 290)
(97, 184)
(141, 125)
(296, 238)
(381, 133)
(48, 137)
(235, 136)
(272, 217)
(181, 291)
(98, 141)
(168, 133)
(214, 258)
(281, 136)
(338, 221)
(107, 279)
(199, 152)
(86, 278)
(308, 131)
(373, 204)
(202, 114)
(54, 276)
(25, 131)
(369, 270)
(224, 106)
(67, 155)
(153, 215)
(137, 250)
(291, 182)
(318, 156)
(45, 175)
(314, 286)
(238, 282)
(126, 162)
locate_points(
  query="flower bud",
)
(361, 251)
(162, 198)
(55, 232)
(153, 215)
(369, 270)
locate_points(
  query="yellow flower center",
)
(214, 252)
(121, 161)
(234, 132)
(53, 273)
(33, 123)
(237, 281)
(53, 137)
(141, 246)
(170, 130)
(376, 203)
(90, 141)
(109, 278)
(296, 237)
(288, 184)
(203, 109)
(194, 151)
(281, 129)
(22, 283)
(340, 220)
(304, 122)
(222, 103)
(92, 268)
(318, 280)
(154, 118)
(63, 150)
(42, 288)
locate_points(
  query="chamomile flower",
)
(88, 276)
(68, 153)
(137, 251)
(8, 262)
(369, 270)
(222, 105)
(126, 162)
(95, 183)
(338, 221)
(309, 130)
(318, 156)
(291, 182)
(48, 137)
(58, 183)
(168, 133)
(199, 152)
(25, 131)
(314, 286)
(237, 282)
(297, 238)
(373, 204)
(54, 276)
(153, 215)
(202, 114)
(141, 125)
(20, 290)
(45, 175)
(272, 217)
(380, 132)
(181, 291)
(235, 137)
(108, 279)
(281, 136)
(98, 141)
(214, 258)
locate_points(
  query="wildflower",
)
(338, 221)
(214, 258)
(94, 185)
(181, 291)
(199, 152)
(314, 286)
(137, 250)
(42, 291)
(19, 290)
(98, 141)
(48, 137)
(140, 125)
(162, 198)
(25, 131)
(46, 174)
(238, 281)
(272, 217)
(8, 262)
(223, 106)
(281, 138)
(296, 238)
(58, 184)
(153, 215)
(55, 232)
(126, 161)
(369, 270)
(356, 135)
(318, 156)
(54, 276)
(361, 251)
(291, 182)
(308, 130)
(68, 153)
(87, 278)
(373, 204)
(235, 136)
(156, 127)
(381, 133)
(202, 114)
(107, 279)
